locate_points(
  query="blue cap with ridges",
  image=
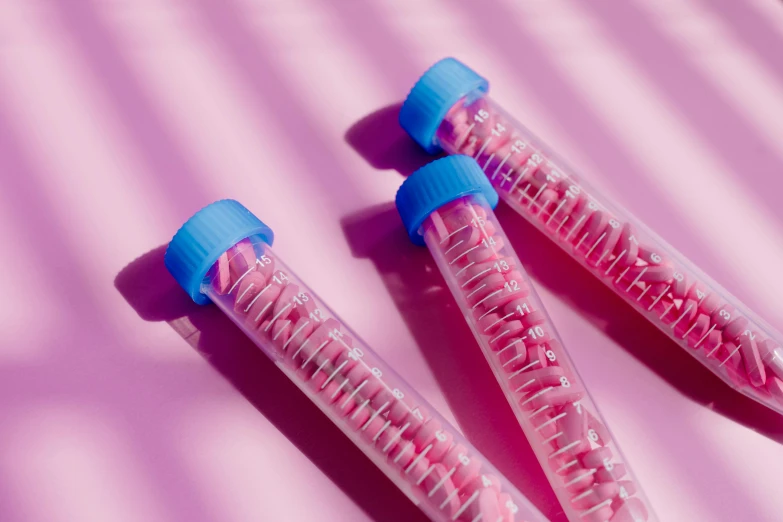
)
(436, 184)
(438, 89)
(204, 237)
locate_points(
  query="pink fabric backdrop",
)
(121, 401)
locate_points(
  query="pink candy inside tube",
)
(417, 449)
(652, 277)
(560, 420)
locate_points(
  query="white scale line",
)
(233, 287)
(286, 307)
(565, 448)
(486, 163)
(465, 268)
(455, 232)
(643, 292)
(596, 507)
(288, 321)
(417, 459)
(339, 388)
(556, 211)
(452, 247)
(543, 187)
(483, 148)
(524, 192)
(566, 466)
(513, 359)
(580, 477)
(495, 173)
(314, 353)
(523, 369)
(426, 474)
(666, 311)
(520, 175)
(464, 254)
(263, 311)
(476, 276)
(622, 275)
(499, 336)
(402, 451)
(553, 419)
(637, 279)
(487, 312)
(580, 241)
(695, 323)
(353, 394)
(496, 292)
(498, 321)
(537, 395)
(528, 383)
(250, 305)
(250, 286)
(730, 356)
(465, 134)
(476, 290)
(383, 428)
(715, 349)
(595, 245)
(557, 230)
(659, 298)
(360, 408)
(395, 438)
(705, 336)
(442, 481)
(478, 517)
(553, 437)
(615, 262)
(575, 227)
(583, 494)
(301, 347)
(374, 415)
(448, 498)
(601, 258)
(468, 502)
(541, 409)
(681, 316)
(321, 367)
(335, 372)
(509, 346)
(285, 345)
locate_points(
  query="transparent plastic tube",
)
(416, 448)
(560, 420)
(650, 275)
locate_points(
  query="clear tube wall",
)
(393, 426)
(560, 420)
(651, 276)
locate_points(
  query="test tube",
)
(223, 255)
(449, 110)
(448, 205)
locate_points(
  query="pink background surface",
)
(119, 118)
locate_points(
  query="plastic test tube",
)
(447, 205)
(448, 109)
(222, 254)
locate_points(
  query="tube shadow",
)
(432, 316)
(374, 139)
(155, 296)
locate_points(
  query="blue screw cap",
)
(204, 237)
(436, 184)
(438, 89)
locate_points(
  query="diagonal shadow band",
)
(155, 296)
